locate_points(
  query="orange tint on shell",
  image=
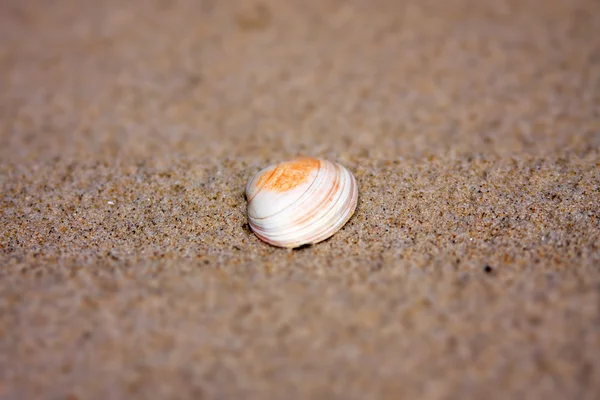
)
(288, 175)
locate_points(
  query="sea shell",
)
(298, 202)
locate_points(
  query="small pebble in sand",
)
(299, 202)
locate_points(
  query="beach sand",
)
(471, 268)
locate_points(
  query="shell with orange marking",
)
(298, 202)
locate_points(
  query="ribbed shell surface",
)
(300, 202)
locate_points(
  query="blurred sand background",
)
(129, 128)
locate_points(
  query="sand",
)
(471, 268)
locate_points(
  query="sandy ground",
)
(129, 128)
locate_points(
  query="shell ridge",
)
(292, 203)
(307, 214)
(349, 207)
(312, 221)
(325, 201)
(310, 227)
(286, 229)
(258, 189)
(330, 218)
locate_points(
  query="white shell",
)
(303, 201)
